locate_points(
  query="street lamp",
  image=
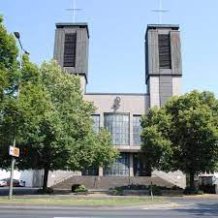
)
(17, 35)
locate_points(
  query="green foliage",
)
(194, 132)
(79, 189)
(208, 188)
(156, 147)
(156, 190)
(105, 154)
(118, 191)
(192, 191)
(75, 186)
(44, 110)
(8, 49)
(9, 74)
(186, 129)
(8, 62)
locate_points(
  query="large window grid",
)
(120, 167)
(70, 50)
(118, 125)
(164, 51)
(137, 129)
(96, 122)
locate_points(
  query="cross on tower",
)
(160, 11)
(74, 10)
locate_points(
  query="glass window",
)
(137, 129)
(96, 122)
(120, 167)
(118, 126)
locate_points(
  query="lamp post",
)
(17, 35)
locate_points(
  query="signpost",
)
(13, 152)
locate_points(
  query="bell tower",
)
(71, 49)
(163, 62)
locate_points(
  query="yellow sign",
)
(13, 151)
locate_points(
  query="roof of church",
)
(163, 26)
(71, 25)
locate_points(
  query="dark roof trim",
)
(73, 25)
(126, 94)
(163, 26)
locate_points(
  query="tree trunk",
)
(45, 179)
(192, 180)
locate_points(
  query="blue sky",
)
(117, 28)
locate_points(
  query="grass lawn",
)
(82, 201)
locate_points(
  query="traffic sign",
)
(14, 151)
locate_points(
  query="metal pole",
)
(13, 160)
(12, 173)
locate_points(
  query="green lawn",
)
(82, 201)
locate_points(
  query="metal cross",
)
(160, 11)
(74, 10)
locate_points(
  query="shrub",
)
(74, 187)
(156, 190)
(208, 188)
(192, 191)
(79, 189)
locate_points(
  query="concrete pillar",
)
(130, 129)
(131, 168)
(154, 86)
(102, 120)
(83, 84)
(100, 171)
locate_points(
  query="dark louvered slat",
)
(164, 51)
(70, 50)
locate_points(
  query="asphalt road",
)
(187, 208)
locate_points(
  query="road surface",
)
(190, 208)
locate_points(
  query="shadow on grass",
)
(30, 191)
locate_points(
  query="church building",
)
(120, 113)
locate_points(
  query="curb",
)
(44, 207)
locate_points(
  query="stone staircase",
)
(107, 182)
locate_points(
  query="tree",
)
(9, 66)
(104, 153)
(9, 76)
(59, 124)
(194, 133)
(186, 129)
(156, 147)
(40, 129)
(43, 109)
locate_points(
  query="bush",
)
(79, 188)
(192, 191)
(208, 188)
(74, 187)
(117, 191)
(156, 190)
